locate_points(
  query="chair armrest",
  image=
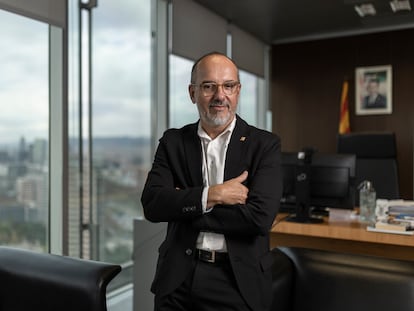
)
(38, 281)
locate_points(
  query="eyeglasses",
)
(210, 88)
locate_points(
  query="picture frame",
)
(373, 90)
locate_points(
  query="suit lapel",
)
(236, 151)
(192, 150)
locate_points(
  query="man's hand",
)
(230, 192)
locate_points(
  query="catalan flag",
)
(344, 126)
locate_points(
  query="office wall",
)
(306, 87)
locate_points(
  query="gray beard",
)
(214, 120)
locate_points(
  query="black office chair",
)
(45, 282)
(376, 155)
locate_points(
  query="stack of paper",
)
(404, 207)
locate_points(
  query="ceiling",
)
(283, 21)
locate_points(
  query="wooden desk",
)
(342, 236)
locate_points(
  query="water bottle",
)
(367, 202)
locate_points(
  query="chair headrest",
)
(368, 144)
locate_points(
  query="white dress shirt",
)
(214, 157)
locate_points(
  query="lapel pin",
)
(243, 138)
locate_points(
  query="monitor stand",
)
(302, 189)
(303, 215)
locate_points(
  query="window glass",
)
(121, 145)
(248, 100)
(24, 130)
(109, 161)
(181, 110)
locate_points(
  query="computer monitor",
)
(315, 182)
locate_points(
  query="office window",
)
(24, 132)
(248, 101)
(181, 110)
(120, 120)
(109, 125)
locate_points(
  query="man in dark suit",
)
(374, 99)
(217, 183)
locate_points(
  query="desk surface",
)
(341, 235)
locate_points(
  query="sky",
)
(121, 73)
(24, 78)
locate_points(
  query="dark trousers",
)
(210, 287)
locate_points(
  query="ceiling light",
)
(365, 9)
(400, 5)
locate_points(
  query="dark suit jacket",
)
(172, 194)
(380, 102)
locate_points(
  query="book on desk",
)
(373, 229)
(394, 224)
(398, 224)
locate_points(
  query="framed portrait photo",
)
(373, 90)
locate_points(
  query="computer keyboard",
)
(290, 208)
